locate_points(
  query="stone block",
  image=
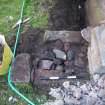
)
(65, 36)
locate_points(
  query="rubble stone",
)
(84, 94)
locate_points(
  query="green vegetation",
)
(38, 17)
(7, 97)
(10, 12)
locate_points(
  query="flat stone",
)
(101, 93)
(65, 36)
(96, 51)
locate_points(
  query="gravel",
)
(89, 93)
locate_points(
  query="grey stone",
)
(101, 93)
(59, 54)
(90, 100)
(65, 36)
(71, 101)
(56, 93)
(96, 77)
(45, 64)
(77, 93)
(84, 89)
(85, 94)
(21, 68)
(101, 82)
(66, 84)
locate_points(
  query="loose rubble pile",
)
(91, 93)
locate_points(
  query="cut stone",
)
(65, 36)
(21, 69)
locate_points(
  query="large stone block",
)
(21, 69)
(65, 36)
(96, 51)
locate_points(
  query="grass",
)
(26, 89)
(38, 17)
(10, 11)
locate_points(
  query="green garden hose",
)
(14, 52)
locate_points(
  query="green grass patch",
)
(34, 95)
(10, 13)
(38, 17)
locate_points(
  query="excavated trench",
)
(48, 57)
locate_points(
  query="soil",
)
(67, 15)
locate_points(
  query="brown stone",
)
(21, 69)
